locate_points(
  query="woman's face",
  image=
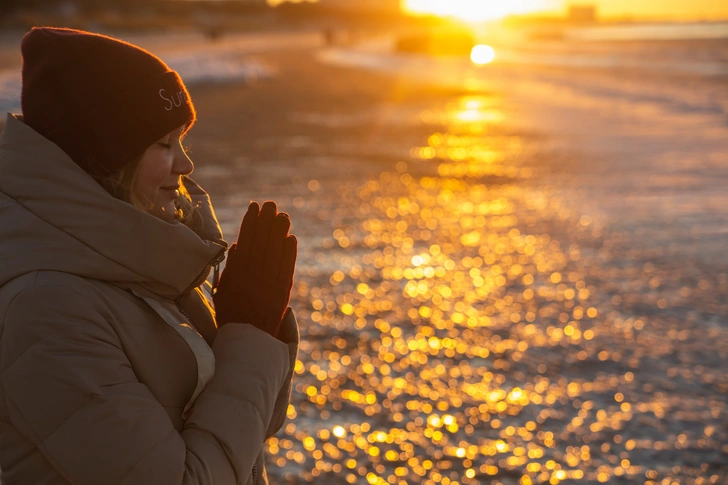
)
(159, 175)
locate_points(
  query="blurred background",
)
(513, 223)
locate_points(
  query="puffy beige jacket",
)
(111, 368)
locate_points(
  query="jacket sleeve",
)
(289, 335)
(72, 392)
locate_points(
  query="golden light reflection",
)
(460, 325)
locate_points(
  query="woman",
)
(114, 369)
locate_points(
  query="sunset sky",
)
(660, 9)
(686, 9)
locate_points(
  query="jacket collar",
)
(56, 217)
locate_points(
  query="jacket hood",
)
(54, 216)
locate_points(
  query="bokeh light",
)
(464, 324)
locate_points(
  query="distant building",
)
(582, 13)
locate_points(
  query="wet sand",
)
(462, 320)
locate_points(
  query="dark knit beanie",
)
(101, 100)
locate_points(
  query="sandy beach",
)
(466, 315)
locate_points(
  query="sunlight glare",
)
(474, 10)
(482, 54)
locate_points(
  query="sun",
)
(475, 10)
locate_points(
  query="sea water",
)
(643, 107)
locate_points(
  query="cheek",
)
(153, 172)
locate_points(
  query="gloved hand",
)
(255, 286)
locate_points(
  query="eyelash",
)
(185, 148)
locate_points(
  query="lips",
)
(171, 188)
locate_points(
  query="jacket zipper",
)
(205, 273)
(188, 316)
(255, 473)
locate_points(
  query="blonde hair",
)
(120, 184)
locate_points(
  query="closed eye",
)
(185, 148)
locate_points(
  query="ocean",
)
(643, 109)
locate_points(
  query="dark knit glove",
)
(255, 286)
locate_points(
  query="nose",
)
(182, 163)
